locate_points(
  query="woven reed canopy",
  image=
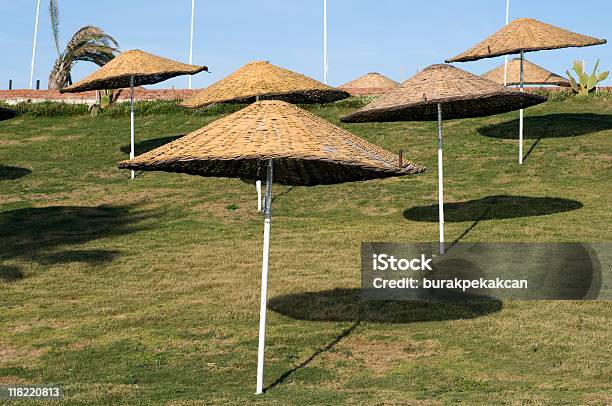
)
(146, 69)
(461, 93)
(371, 83)
(266, 81)
(525, 34)
(533, 74)
(306, 149)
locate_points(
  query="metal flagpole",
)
(521, 114)
(132, 121)
(440, 181)
(506, 56)
(191, 39)
(264, 282)
(34, 45)
(325, 41)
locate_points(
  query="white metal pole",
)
(132, 122)
(34, 45)
(258, 182)
(191, 39)
(506, 56)
(325, 41)
(264, 282)
(440, 181)
(258, 186)
(521, 113)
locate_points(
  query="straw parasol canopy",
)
(371, 83)
(462, 94)
(145, 68)
(533, 74)
(306, 149)
(266, 81)
(525, 34)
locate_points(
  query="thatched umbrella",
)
(520, 36)
(371, 83)
(300, 147)
(262, 80)
(444, 89)
(532, 74)
(265, 81)
(129, 69)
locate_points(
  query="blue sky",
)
(393, 37)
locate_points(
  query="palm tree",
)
(89, 44)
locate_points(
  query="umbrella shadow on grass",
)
(51, 235)
(492, 208)
(13, 172)
(339, 305)
(148, 145)
(10, 273)
(549, 126)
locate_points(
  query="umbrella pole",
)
(521, 114)
(258, 186)
(132, 122)
(258, 182)
(264, 281)
(440, 181)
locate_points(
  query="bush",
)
(569, 95)
(141, 108)
(6, 113)
(48, 109)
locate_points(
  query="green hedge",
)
(148, 107)
(157, 107)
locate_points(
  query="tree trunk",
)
(59, 78)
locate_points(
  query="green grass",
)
(147, 291)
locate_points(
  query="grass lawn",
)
(147, 291)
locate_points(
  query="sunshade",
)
(145, 68)
(520, 36)
(533, 75)
(266, 81)
(300, 147)
(462, 94)
(443, 89)
(306, 149)
(527, 35)
(129, 69)
(371, 83)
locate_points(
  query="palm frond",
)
(89, 44)
(54, 17)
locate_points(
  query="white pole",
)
(132, 121)
(325, 41)
(258, 182)
(264, 282)
(440, 181)
(521, 114)
(191, 39)
(258, 186)
(506, 56)
(34, 45)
